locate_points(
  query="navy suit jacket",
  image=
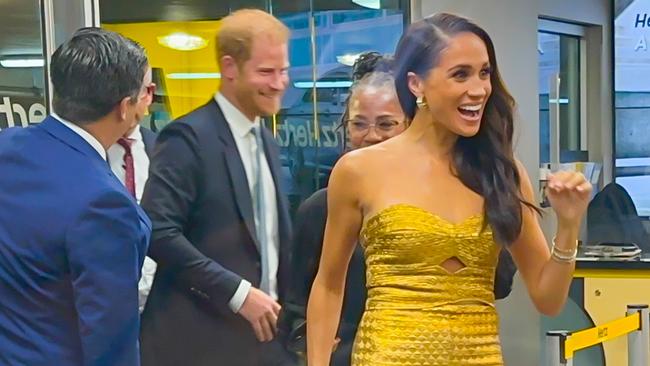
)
(72, 242)
(204, 243)
(149, 140)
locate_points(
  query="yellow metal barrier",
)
(592, 336)
(562, 345)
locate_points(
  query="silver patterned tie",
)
(260, 208)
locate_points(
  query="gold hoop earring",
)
(421, 103)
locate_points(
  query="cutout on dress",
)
(452, 265)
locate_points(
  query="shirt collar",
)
(136, 134)
(90, 139)
(240, 125)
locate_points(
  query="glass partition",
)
(632, 100)
(326, 38)
(22, 86)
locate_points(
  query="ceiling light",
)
(22, 62)
(372, 4)
(323, 84)
(193, 75)
(348, 59)
(183, 42)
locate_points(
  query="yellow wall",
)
(183, 95)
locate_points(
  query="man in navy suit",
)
(220, 217)
(72, 239)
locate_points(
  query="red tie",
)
(129, 172)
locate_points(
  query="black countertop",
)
(601, 263)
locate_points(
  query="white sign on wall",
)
(21, 111)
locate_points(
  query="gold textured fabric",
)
(417, 312)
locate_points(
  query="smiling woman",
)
(461, 84)
(431, 261)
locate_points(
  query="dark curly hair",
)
(369, 62)
(370, 69)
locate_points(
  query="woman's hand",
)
(569, 194)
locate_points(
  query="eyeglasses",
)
(151, 88)
(363, 127)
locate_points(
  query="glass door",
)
(560, 98)
(22, 75)
(326, 38)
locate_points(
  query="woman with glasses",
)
(372, 115)
(432, 209)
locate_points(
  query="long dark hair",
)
(485, 162)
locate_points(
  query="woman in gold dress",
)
(432, 206)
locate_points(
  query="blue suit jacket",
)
(72, 242)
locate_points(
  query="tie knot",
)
(125, 143)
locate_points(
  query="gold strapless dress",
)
(418, 313)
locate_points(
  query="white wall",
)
(582, 11)
(512, 24)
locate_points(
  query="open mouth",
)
(470, 112)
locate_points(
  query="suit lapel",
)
(276, 172)
(271, 157)
(236, 173)
(149, 140)
(284, 221)
(240, 187)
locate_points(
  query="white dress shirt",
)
(90, 139)
(140, 162)
(241, 127)
(141, 172)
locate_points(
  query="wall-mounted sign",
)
(21, 111)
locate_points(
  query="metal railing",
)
(561, 345)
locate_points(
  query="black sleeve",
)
(504, 276)
(306, 248)
(169, 198)
(308, 244)
(149, 140)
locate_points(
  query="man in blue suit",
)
(72, 239)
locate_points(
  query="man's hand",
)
(262, 312)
